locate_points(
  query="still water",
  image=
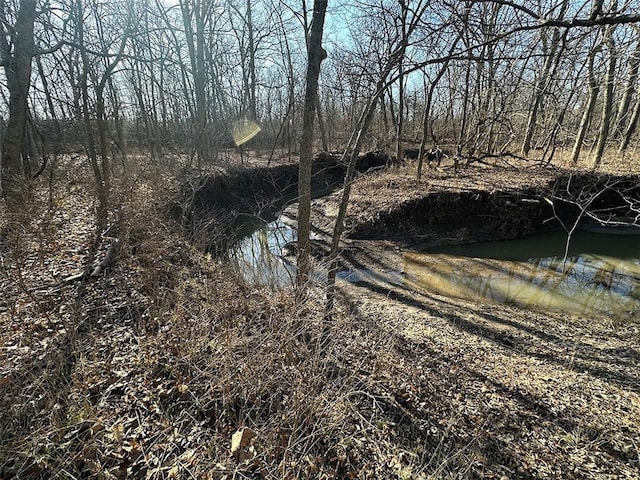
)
(600, 274)
(260, 258)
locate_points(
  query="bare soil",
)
(149, 369)
(537, 394)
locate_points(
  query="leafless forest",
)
(481, 78)
(129, 353)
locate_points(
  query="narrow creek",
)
(260, 258)
(600, 274)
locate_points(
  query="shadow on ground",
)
(495, 391)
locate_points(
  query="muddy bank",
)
(459, 216)
(478, 205)
(474, 205)
(216, 208)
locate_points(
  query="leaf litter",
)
(154, 368)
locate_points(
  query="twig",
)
(101, 267)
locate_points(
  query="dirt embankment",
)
(216, 208)
(478, 204)
(390, 206)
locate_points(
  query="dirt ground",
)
(151, 368)
(537, 394)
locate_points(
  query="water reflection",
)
(600, 276)
(260, 258)
(586, 283)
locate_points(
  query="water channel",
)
(600, 274)
(260, 258)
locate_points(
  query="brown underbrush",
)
(166, 365)
(148, 369)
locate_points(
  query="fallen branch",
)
(108, 258)
(101, 267)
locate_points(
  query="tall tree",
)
(17, 65)
(316, 54)
(91, 144)
(631, 127)
(396, 50)
(630, 89)
(609, 80)
(196, 17)
(426, 120)
(401, 85)
(594, 90)
(552, 55)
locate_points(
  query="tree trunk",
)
(629, 89)
(102, 210)
(315, 56)
(427, 106)
(395, 57)
(253, 110)
(594, 89)
(607, 108)
(400, 124)
(197, 14)
(322, 128)
(18, 75)
(338, 229)
(631, 128)
(551, 63)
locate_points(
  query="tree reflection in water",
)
(585, 283)
(600, 277)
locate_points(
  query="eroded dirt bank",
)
(216, 208)
(475, 205)
(391, 211)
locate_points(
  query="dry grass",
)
(148, 370)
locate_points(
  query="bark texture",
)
(18, 73)
(316, 54)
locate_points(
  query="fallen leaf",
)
(188, 455)
(182, 388)
(240, 440)
(5, 381)
(118, 432)
(246, 454)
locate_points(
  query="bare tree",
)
(631, 127)
(629, 91)
(609, 81)
(427, 120)
(196, 16)
(396, 50)
(316, 54)
(552, 56)
(401, 85)
(627, 126)
(17, 66)
(92, 149)
(594, 90)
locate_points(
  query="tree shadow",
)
(564, 351)
(612, 364)
(464, 419)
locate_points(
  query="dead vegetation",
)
(482, 202)
(148, 369)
